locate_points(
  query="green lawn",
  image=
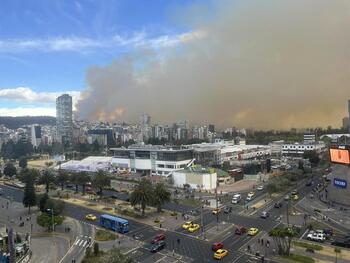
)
(103, 235)
(307, 245)
(299, 258)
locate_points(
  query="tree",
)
(56, 205)
(46, 220)
(161, 195)
(100, 181)
(22, 162)
(142, 195)
(271, 188)
(62, 178)
(312, 156)
(10, 170)
(29, 198)
(83, 178)
(74, 179)
(283, 237)
(41, 201)
(47, 178)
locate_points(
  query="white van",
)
(236, 199)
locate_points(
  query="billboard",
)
(340, 156)
(340, 183)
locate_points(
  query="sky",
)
(46, 47)
(244, 63)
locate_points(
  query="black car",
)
(158, 246)
(227, 209)
(278, 205)
(341, 242)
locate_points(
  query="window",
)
(160, 165)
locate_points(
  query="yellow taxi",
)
(253, 231)
(90, 217)
(193, 228)
(295, 197)
(216, 211)
(220, 253)
(187, 224)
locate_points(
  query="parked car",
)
(277, 205)
(260, 188)
(286, 198)
(158, 246)
(217, 245)
(294, 192)
(240, 230)
(249, 198)
(216, 211)
(158, 238)
(264, 214)
(228, 209)
(328, 232)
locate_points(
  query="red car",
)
(217, 245)
(158, 238)
(240, 230)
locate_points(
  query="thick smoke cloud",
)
(261, 64)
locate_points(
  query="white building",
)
(89, 164)
(298, 149)
(203, 179)
(35, 133)
(149, 159)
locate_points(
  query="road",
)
(190, 247)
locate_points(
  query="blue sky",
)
(47, 46)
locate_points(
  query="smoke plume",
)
(261, 64)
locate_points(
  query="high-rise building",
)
(211, 128)
(35, 135)
(145, 120)
(349, 113)
(346, 123)
(64, 118)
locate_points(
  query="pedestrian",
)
(262, 259)
(273, 251)
(267, 243)
(248, 248)
(178, 241)
(258, 240)
(119, 242)
(262, 241)
(20, 218)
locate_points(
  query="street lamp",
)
(52, 218)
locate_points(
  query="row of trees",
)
(146, 194)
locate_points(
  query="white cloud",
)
(78, 44)
(28, 111)
(28, 96)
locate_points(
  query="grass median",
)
(307, 245)
(299, 258)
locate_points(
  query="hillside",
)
(16, 122)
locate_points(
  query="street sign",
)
(340, 183)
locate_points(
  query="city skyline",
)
(159, 64)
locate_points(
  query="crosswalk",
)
(83, 241)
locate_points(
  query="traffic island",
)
(216, 231)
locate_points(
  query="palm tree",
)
(283, 237)
(62, 178)
(161, 195)
(142, 195)
(74, 179)
(100, 181)
(83, 178)
(47, 178)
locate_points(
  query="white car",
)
(316, 236)
(236, 199)
(260, 188)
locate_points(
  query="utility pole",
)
(217, 205)
(202, 222)
(288, 213)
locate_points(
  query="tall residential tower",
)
(64, 119)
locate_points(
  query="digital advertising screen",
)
(340, 156)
